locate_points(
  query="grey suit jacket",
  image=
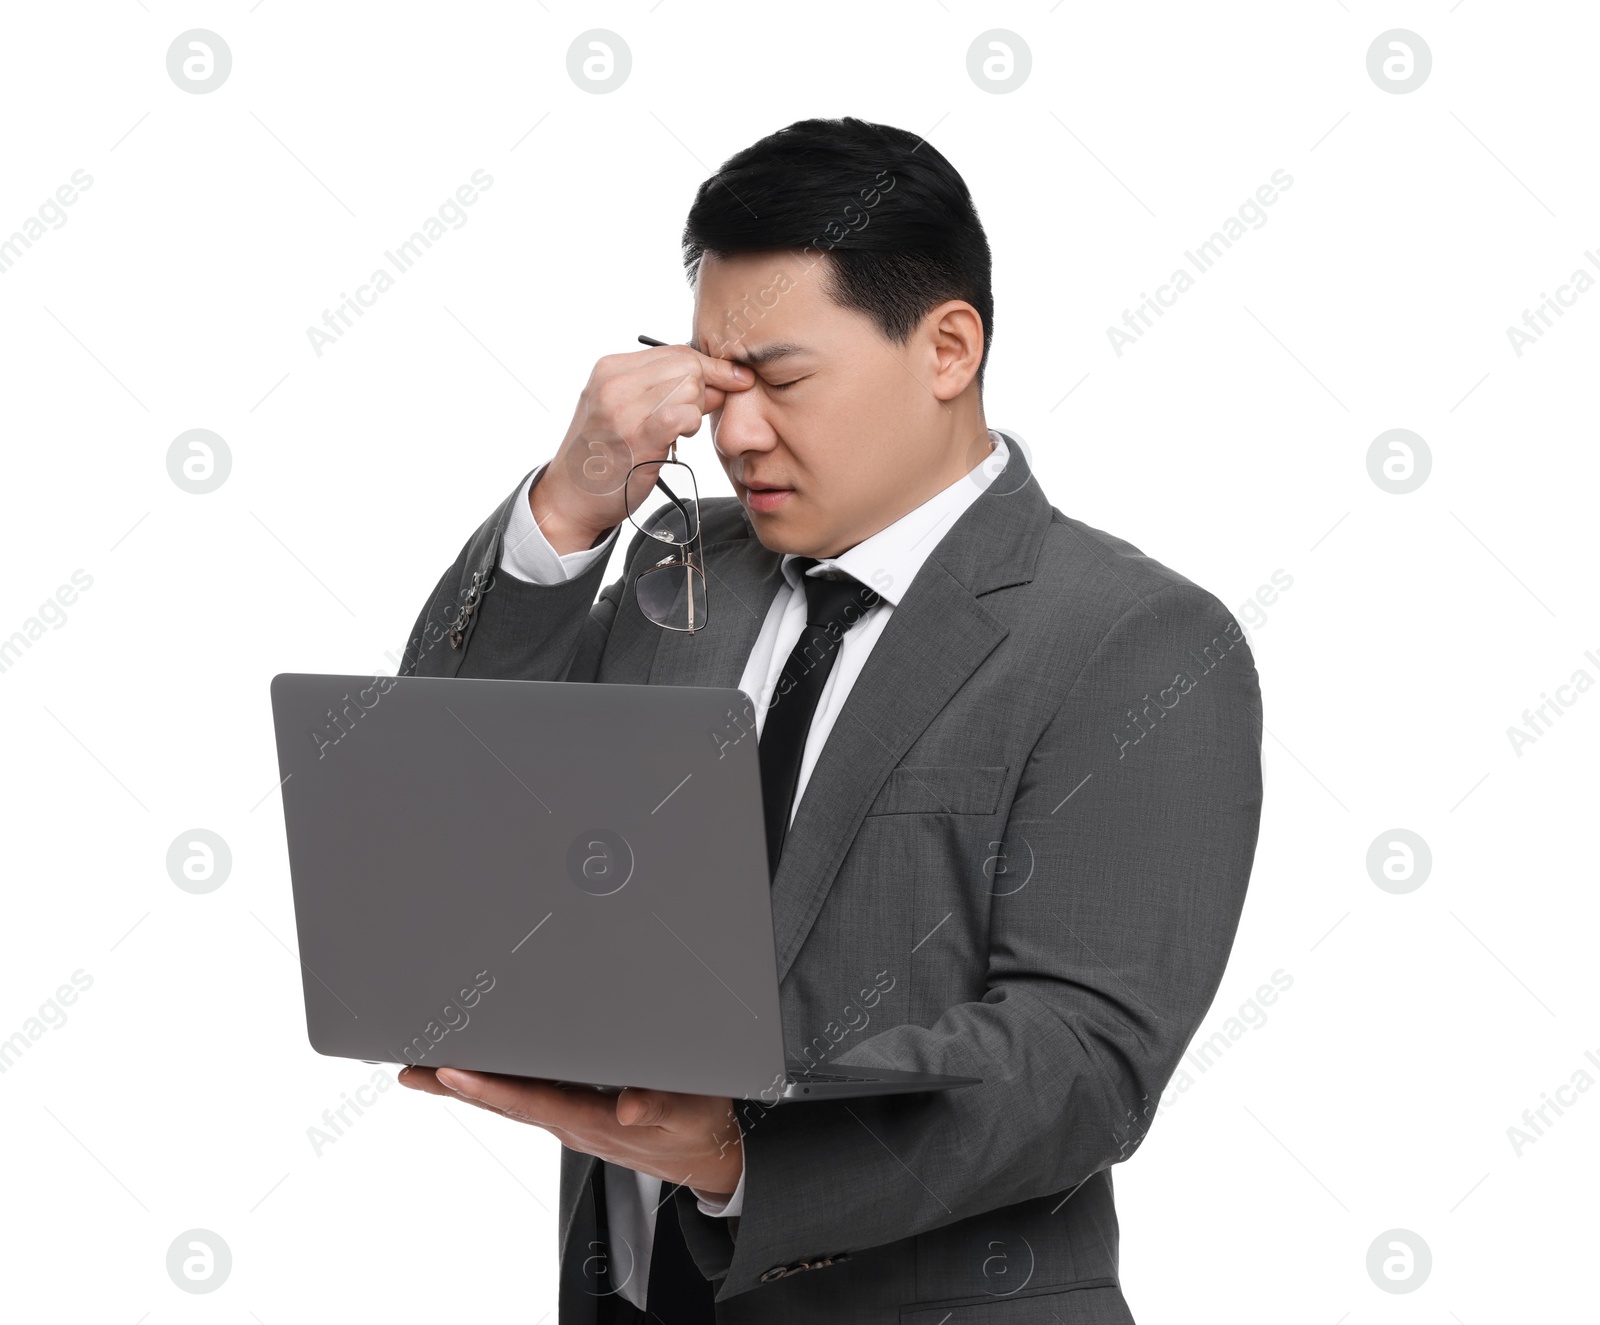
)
(1022, 857)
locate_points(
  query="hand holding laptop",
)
(689, 1139)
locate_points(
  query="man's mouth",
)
(764, 497)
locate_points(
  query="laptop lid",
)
(460, 902)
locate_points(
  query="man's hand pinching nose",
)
(690, 1139)
(634, 408)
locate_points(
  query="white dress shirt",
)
(887, 561)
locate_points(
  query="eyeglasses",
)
(672, 593)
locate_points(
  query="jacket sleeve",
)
(481, 620)
(526, 553)
(1140, 818)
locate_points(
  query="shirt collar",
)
(889, 560)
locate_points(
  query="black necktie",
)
(676, 1293)
(832, 607)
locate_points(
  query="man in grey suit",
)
(1012, 796)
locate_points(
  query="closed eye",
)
(783, 386)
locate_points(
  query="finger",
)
(678, 392)
(684, 420)
(722, 374)
(529, 1100)
(637, 1107)
(424, 1079)
(693, 389)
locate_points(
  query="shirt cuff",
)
(732, 1209)
(527, 554)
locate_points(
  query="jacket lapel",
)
(933, 642)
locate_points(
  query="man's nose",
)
(740, 426)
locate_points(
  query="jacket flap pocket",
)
(940, 789)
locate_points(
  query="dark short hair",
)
(892, 215)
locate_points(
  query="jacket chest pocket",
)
(940, 789)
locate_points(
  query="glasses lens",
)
(673, 596)
(670, 509)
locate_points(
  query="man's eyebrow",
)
(779, 349)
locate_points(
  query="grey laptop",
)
(548, 879)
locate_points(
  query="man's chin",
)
(786, 530)
(780, 535)
(774, 540)
(784, 541)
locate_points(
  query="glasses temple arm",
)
(673, 498)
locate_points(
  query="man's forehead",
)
(730, 290)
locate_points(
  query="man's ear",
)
(956, 334)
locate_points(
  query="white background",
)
(1230, 442)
